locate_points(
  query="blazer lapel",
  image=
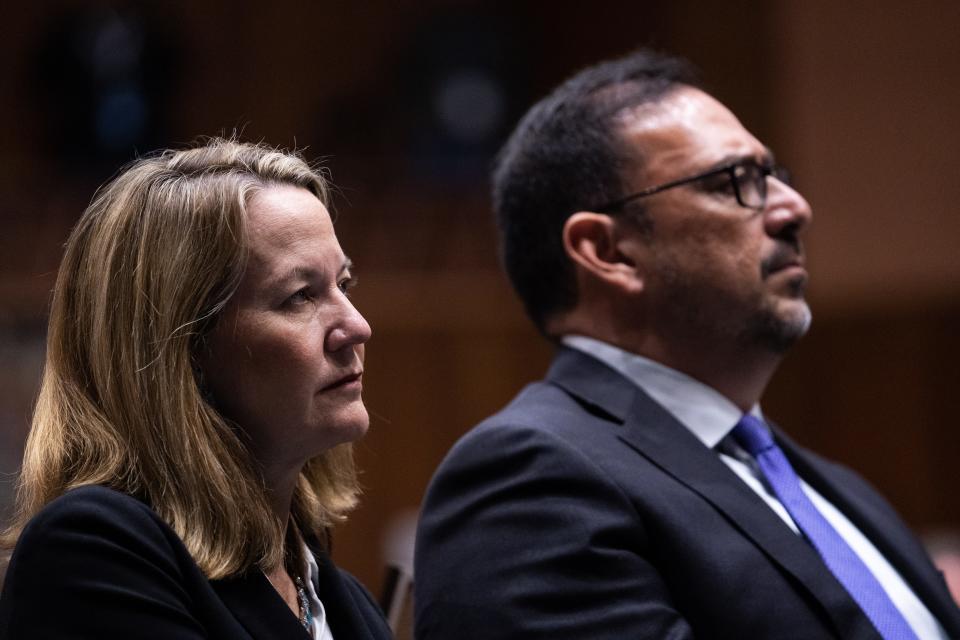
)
(343, 615)
(655, 434)
(259, 608)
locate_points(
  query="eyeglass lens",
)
(750, 180)
(751, 185)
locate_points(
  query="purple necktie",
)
(845, 565)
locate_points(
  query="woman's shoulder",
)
(90, 500)
(89, 507)
(91, 517)
(108, 563)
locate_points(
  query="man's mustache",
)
(786, 253)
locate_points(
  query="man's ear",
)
(590, 240)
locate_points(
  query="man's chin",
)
(798, 315)
(794, 323)
(781, 327)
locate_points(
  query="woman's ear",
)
(591, 241)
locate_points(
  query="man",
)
(636, 491)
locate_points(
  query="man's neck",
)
(739, 376)
(739, 373)
(705, 411)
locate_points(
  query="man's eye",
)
(719, 183)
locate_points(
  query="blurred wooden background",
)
(408, 100)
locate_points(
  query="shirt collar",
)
(707, 413)
(321, 627)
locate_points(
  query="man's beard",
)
(774, 331)
(712, 312)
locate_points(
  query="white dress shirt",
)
(710, 416)
(321, 630)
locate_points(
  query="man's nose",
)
(786, 209)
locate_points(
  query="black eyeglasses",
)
(747, 176)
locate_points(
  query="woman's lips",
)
(352, 381)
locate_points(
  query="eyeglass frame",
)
(779, 172)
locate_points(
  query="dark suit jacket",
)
(585, 510)
(98, 565)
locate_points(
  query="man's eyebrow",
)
(767, 156)
(347, 265)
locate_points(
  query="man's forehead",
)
(687, 124)
(683, 104)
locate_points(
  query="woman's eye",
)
(300, 297)
(346, 284)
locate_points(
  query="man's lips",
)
(797, 266)
(787, 264)
(344, 381)
(781, 260)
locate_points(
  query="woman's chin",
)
(348, 426)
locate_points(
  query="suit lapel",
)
(655, 434)
(263, 613)
(343, 615)
(259, 608)
(882, 527)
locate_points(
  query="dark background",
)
(408, 101)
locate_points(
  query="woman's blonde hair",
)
(148, 267)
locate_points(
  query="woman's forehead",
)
(289, 231)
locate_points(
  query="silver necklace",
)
(303, 603)
(306, 614)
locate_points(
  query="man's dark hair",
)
(566, 156)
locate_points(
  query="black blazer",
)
(98, 564)
(585, 510)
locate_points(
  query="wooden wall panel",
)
(858, 97)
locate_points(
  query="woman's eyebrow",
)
(300, 272)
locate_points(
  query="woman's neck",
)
(280, 485)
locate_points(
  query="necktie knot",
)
(751, 434)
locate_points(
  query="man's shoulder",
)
(534, 402)
(541, 407)
(543, 424)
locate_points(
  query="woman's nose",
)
(351, 329)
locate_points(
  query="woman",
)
(191, 442)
